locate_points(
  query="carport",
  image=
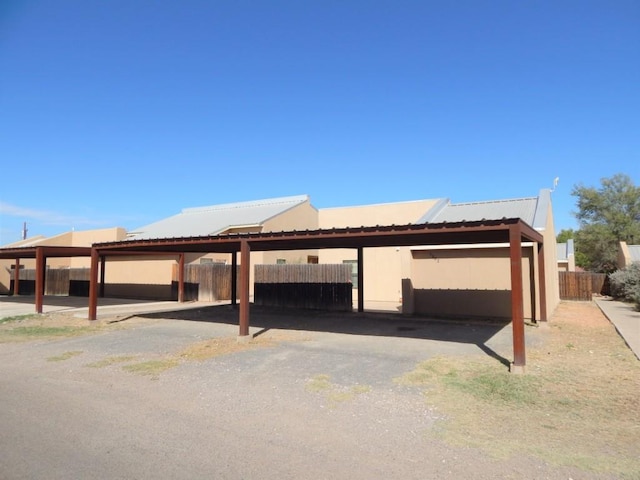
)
(508, 231)
(40, 253)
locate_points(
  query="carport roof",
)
(484, 231)
(47, 251)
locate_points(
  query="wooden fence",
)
(206, 282)
(310, 286)
(582, 285)
(58, 281)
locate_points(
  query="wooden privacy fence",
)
(206, 282)
(582, 285)
(311, 286)
(58, 281)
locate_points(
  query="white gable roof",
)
(215, 219)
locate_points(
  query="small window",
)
(281, 261)
(312, 259)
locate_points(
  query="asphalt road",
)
(246, 415)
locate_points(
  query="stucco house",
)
(443, 280)
(566, 256)
(83, 238)
(627, 254)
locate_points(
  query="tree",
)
(607, 216)
(565, 234)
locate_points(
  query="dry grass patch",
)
(334, 393)
(152, 367)
(48, 326)
(65, 356)
(577, 405)
(111, 361)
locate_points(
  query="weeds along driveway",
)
(173, 398)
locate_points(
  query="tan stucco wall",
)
(624, 256)
(300, 217)
(83, 238)
(552, 280)
(384, 267)
(400, 213)
(472, 282)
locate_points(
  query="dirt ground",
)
(316, 396)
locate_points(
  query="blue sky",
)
(123, 112)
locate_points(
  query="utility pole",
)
(24, 231)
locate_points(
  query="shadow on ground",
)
(387, 324)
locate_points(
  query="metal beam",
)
(517, 304)
(245, 257)
(16, 278)
(40, 276)
(93, 286)
(360, 279)
(181, 278)
(542, 284)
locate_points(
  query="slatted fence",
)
(309, 286)
(58, 281)
(582, 285)
(206, 282)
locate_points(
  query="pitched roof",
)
(532, 210)
(214, 219)
(564, 250)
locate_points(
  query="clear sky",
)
(124, 112)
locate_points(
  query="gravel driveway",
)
(319, 403)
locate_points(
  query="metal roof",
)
(564, 250)
(527, 209)
(214, 219)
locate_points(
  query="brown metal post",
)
(245, 254)
(16, 278)
(542, 283)
(40, 273)
(517, 305)
(93, 286)
(181, 278)
(103, 264)
(360, 279)
(234, 278)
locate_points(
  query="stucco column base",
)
(244, 338)
(517, 369)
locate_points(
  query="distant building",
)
(627, 254)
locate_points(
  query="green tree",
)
(565, 234)
(607, 215)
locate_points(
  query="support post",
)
(93, 286)
(181, 278)
(517, 304)
(234, 278)
(542, 283)
(245, 257)
(360, 279)
(103, 269)
(16, 278)
(40, 275)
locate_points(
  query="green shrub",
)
(625, 284)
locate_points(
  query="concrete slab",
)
(626, 320)
(11, 306)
